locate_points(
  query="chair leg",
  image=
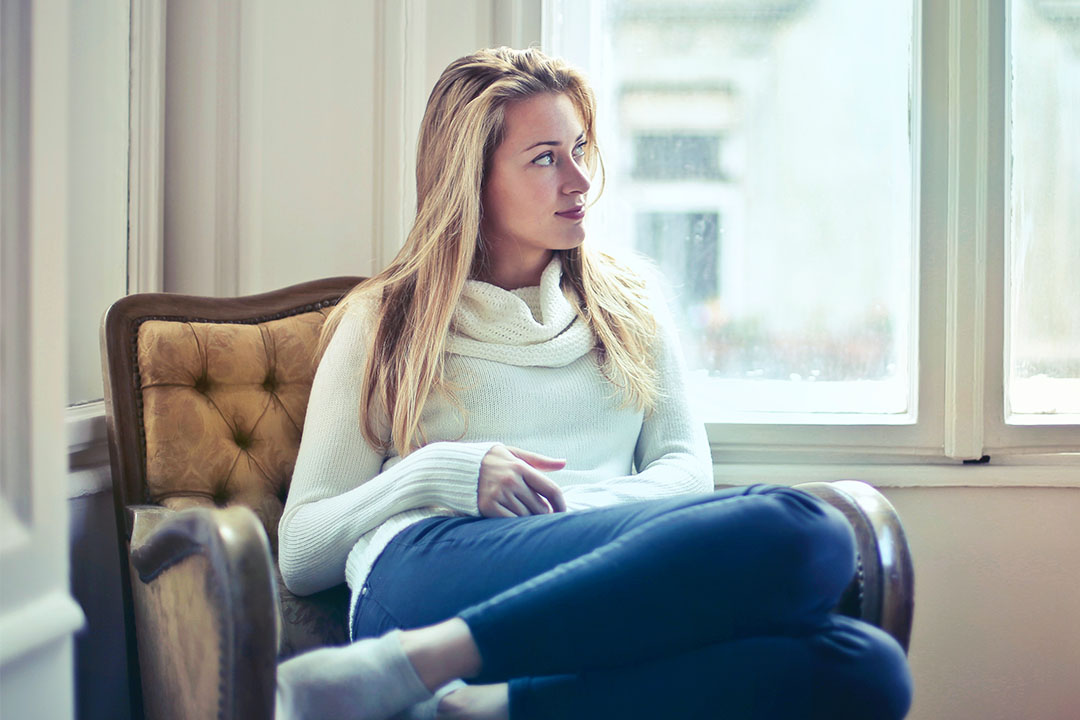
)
(883, 589)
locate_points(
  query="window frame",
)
(959, 74)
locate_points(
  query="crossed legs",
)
(716, 605)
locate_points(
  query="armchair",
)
(205, 401)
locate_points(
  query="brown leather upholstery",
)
(223, 407)
(223, 410)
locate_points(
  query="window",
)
(1044, 224)
(809, 177)
(675, 156)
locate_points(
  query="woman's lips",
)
(573, 213)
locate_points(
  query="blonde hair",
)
(415, 296)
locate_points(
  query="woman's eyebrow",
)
(554, 143)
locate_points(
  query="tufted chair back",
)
(222, 409)
(205, 402)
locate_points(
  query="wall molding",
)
(146, 148)
(400, 60)
(227, 151)
(249, 152)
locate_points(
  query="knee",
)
(815, 537)
(885, 686)
(864, 673)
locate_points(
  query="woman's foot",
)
(476, 702)
(427, 709)
(378, 678)
(370, 679)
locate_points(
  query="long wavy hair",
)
(414, 298)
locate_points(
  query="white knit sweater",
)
(528, 377)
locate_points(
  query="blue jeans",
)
(695, 607)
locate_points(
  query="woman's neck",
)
(514, 270)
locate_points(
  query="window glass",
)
(685, 246)
(676, 157)
(761, 153)
(1043, 326)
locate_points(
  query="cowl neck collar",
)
(531, 326)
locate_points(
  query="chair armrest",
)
(143, 519)
(883, 590)
(206, 612)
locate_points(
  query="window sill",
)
(88, 451)
(1059, 470)
(85, 425)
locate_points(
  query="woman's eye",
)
(579, 150)
(545, 159)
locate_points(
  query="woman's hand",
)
(511, 484)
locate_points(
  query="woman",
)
(498, 457)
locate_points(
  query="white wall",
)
(997, 601)
(97, 252)
(307, 141)
(290, 130)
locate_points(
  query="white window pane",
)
(1044, 270)
(760, 152)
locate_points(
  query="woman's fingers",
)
(514, 503)
(531, 500)
(545, 487)
(498, 511)
(538, 461)
(537, 481)
(510, 484)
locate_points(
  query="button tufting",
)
(242, 439)
(270, 383)
(202, 383)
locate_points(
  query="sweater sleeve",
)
(340, 490)
(672, 453)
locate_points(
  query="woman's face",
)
(534, 191)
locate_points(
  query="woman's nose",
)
(577, 180)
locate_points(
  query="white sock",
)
(426, 710)
(368, 680)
